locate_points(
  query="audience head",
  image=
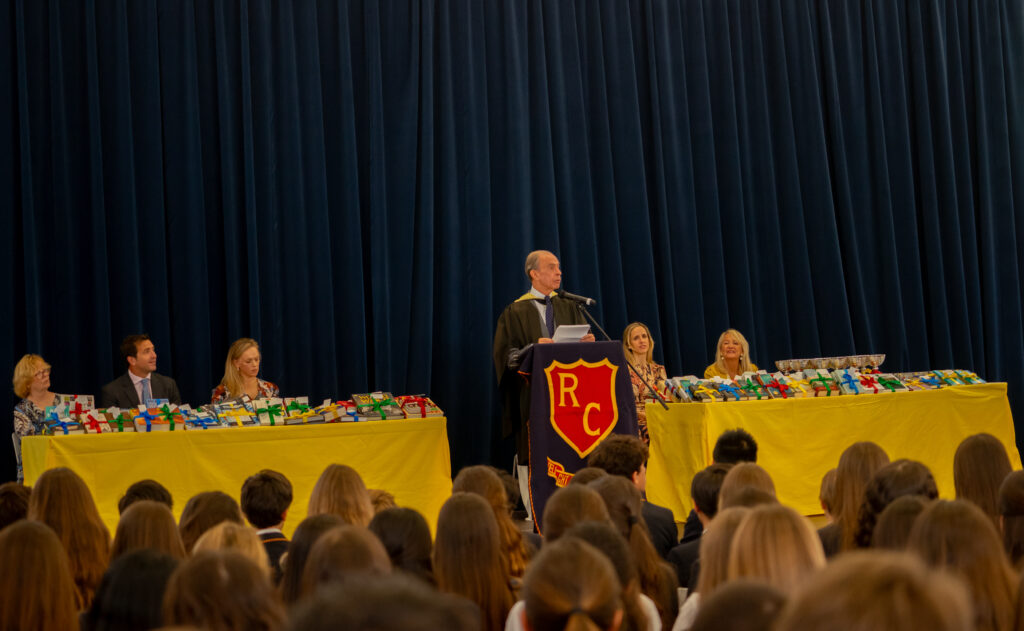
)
(633, 347)
(827, 495)
(36, 587)
(293, 563)
(740, 605)
(570, 585)
(705, 487)
(778, 545)
(896, 521)
(607, 540)
(715, 545)
(145, 490)
(345, 553)
(29, 370)
(482, 481)
(147, 525)
(586, 475)
(381, 500)
(732, 345)
(865, 591)
(228, 535)
(61, 500)
(221, 591)
(896, 479)
(204, 511)
(13, 502)
(741, 476)
(734, 446)
(622, 455)
(1011, 516)
(979, 466)
(957, 536)
(266, 497)
(858, 463)
(747, 497)
(243, 362)
(340, 491)
(139, 353)
(406, 538)
(130, 597)
(569, 506)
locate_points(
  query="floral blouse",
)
(266, 390)
(654, 374)
(28, 418)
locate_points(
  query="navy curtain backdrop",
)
(356, 184)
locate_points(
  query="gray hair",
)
(533, 261)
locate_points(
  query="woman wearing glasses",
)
(32, 385)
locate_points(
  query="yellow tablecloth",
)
(409, 458)
(801, 439)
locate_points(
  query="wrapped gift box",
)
(948, 377)
(821, 382)
(787, 386)
(58, 423)
(418, 406)
(377, 406)
(870, 385)
(887, 382)
(331, 412)
(95, 422)
(235, 414)
(728, 389)
(151, 420)
(679, 388)
(776, 389)
(706, 391)
(198, 419)
(848, 380)
(752, 387)
(270, 411)
(969, 377)
(919, 380)
(298, 412)
(348, 411)
(120, 420)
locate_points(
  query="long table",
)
(409, 458)
(799, 440)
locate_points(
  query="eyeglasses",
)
(45, 372)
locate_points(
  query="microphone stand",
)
(586, 314)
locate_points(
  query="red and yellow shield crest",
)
(583, 406)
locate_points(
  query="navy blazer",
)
(121, 392)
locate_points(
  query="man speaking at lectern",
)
(532, 318)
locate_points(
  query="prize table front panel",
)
(409, 458)
(799, 440)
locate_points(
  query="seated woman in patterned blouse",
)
(638, 347)
(32, 385)
(240, 374)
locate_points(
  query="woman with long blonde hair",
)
(857, 465)
(241, 374)
(776, 544)
(732, 356)
(340, 491)
(638, 347)
(484, 482)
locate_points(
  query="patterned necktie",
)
(549, 316)
(147, 394)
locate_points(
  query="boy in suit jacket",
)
(266, 497)
(141, 381)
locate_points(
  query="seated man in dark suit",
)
(704, 493)
(141, 381)
(266, 497)
(627, 456)
(732, 447)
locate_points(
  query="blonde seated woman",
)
(241, 370)
(638, 347)
(732, 356)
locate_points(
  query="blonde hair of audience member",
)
(957, 536)
(204, 511)
(25, 373)
(715, 545)
(36, 588)
(1011, 517)
(895, 523)
(293, 563)
(744, 475)
(341, 491)
(606, 539)
(871, 590)
(484, 482)
(147, 524)
(381, 500)
(61, 500)
(242, 539)
(657, 579)
(570, 586)
(979, 466)
(222, 591)
(720, 366)
(569, 506)
(827, 495)
(342, 553)
(896, 479)
(776, 544)
(467, 557)
(233, 381)
(857, 464)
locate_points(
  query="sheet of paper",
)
(570, 332)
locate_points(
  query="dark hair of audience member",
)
(570, 586)
(147, 524)
(896, 479)
(957, 536)
(341, 554)
(657, 578)
(746, 497)
(1011, 517)
(511, 487)
(341, 491)
(467, 557)
(827, 495)
(36, 588)
(61, 500)
(896, 521)
(857, 464)
(204, 511)
(568, 506)
(406, 538)
(293, 563)
(384, 603)
(227, 535)
(266, 497)
(620, 455)
(586, 475)
(979, 466)
(868, 590)
(741, 476)
(221, 591)
(13, 502)
(607, 540)
(734, 446)
(715, 545)
(130, 597)
(381, 500)
(740, 605)
(145, 490)
(484, 482)
(705, 487)
(776, 544)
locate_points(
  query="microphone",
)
(580, 299)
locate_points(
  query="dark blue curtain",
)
(356, 184)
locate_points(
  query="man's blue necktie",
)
(549, 316)
(147, 394)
